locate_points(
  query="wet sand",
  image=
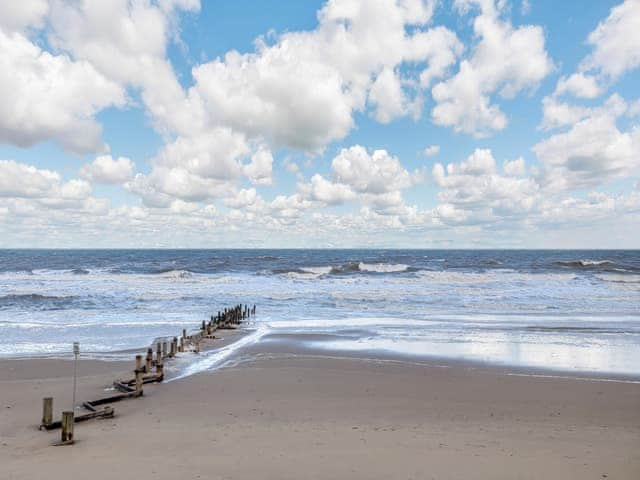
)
(280, 414)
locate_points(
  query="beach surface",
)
(278, 414)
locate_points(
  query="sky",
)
(320, 124)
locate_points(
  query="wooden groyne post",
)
(66, 436)
(139, 381)
(47, 412)
(149, 360)
(138, 362)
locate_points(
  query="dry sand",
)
(303, 416)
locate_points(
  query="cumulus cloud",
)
(45, 96)
(330, 193)
(259, 170)
(579, 85)
(474, 191)
(593, 151)
(387, 97)
(16, 16)
(376, 179)
(557, 114)
(514, 168)
(21, 180)
(25, 189)
(126, 41)
(505, 60)
(106, 169)
(616, 41)
(302, 89)
(243, 199)
(215, 154)
(164, 184)
(439, 47)
(615, 50)
(375, 173)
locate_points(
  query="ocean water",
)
(563, 310)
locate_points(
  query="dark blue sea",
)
(564, 310)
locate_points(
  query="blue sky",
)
(180, 123)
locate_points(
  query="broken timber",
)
(106, 412)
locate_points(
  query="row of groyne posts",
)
(149, 369)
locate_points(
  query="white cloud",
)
(164, 184)
(106, 169)
(242, 199)
(580, 85)
(556, 114)
(474, 191)
(387, 97)
(25, 189)
(17, 15)
(431, 150)
(20, 180)
(374, 173)
(215, 154)
(260, 169)
(439, 47)
(506, 60)
(302, 89)
(592, 152)
(45, 96)
(616, 41)
(514, 168)
(126, 41)
(330, 193)
(375, 179)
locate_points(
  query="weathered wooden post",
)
(172, 351)
(254, 310)
(47, 412)
(181, 346)
(138, 362)
(164, 349)
(184, 333)
(158, 352)
(160, 371)
(149, 360)
(67, 428)
(138, 383)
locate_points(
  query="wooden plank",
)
(106, 412)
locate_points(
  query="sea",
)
(558, 310)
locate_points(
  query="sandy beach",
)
(291, 414)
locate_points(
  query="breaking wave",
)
(173, 273)
(597, 265)
(349, 268)
(35, 300)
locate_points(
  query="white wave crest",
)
(617, 278)
(383, 267)
(177, 274)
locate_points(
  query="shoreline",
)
(293, 345)
(273, 414)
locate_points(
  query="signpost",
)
(76, 353)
